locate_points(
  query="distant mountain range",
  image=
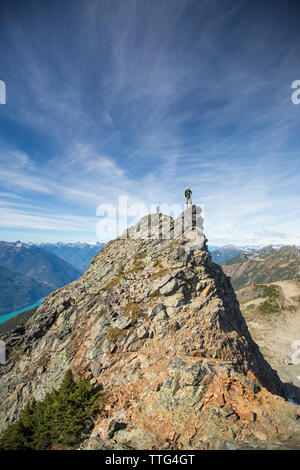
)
(29, 273)
(221, 254)
(225, 252)
(18, 291)
(77, 254)
(265, 266)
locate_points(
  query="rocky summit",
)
(156, 325)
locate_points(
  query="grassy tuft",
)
(160, 273)
(115, 333)
(139, 256)
(136, 268)
(113, 283)
(154, 294)
(132, 310)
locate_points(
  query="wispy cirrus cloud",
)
(146, 98)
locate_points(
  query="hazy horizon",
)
(210, 246)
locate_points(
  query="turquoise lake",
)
(7, 316)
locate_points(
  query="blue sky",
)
(107, 98)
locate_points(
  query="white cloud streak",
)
(155, 101)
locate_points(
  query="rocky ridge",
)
(268, 265)
(156, 325)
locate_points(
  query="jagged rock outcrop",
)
(157, 325)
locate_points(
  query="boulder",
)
(174, 300)
(169, 288)
(123, 322)
(142, 332)
(153, 311)
(161, 316)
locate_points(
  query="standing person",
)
(187, 195)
